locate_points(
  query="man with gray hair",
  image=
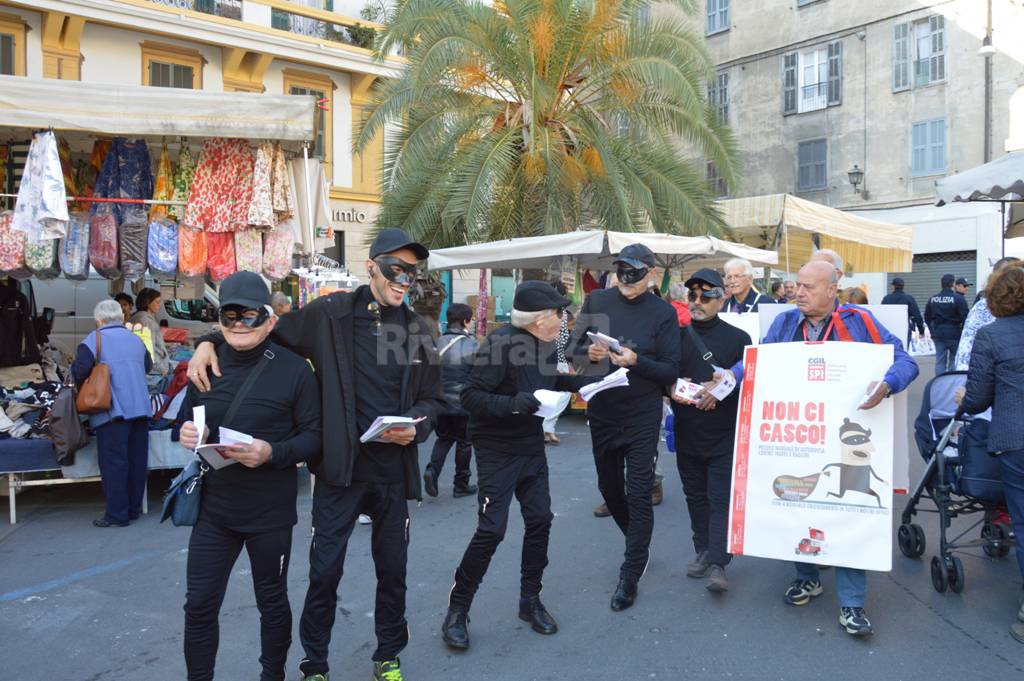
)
(739, 283)
(512, 364)
(833, 258)
(281, 303)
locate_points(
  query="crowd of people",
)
(374, 356)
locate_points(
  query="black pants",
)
(707, 479)
(335, 510)
(452, 430)
(212, 552)
(123, 452)
(500, 476)
(625, 455)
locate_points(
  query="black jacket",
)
(459, 349)
(898, 297)
(322, 333)
(945, 314)
(996, 379)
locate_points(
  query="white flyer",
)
(725, 386)
(550, 401)
(602, 339)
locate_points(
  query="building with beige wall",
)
(273, 46)
(895, 89)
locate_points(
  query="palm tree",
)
(527, 117)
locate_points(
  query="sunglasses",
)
(250, 318)
(706, 295)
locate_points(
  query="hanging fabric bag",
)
(103, 248)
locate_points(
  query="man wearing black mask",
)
(513, 362)
(373, 357)
(625, 423)
(705, 428)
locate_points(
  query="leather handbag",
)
(94, 394)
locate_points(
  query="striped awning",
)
(792, 225)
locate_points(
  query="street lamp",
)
(856, 176)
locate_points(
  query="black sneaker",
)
(699, 567)
(463, 490)
(855, 622)
(430, 481)
(801, 591)
(718, 583)
(455, 629)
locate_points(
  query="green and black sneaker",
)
(389, 670)
(315, 677)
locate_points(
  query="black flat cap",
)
(947, 279)
(898, 282)
(391, 240)
(534, 296)
(246, 289)
(706, 275)
(636, 256)
(963, 282)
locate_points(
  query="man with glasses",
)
(705, 428)
(739, 282)
(373, 357)
(625, 423)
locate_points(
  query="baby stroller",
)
(961, 479)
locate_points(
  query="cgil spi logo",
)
(816, 369)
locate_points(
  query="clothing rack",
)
(95, 199)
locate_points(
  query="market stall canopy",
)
(792, 225)
(998, 180)
(592, 249)
(113, 109)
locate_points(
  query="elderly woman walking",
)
(121, 432)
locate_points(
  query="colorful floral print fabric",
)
(184, 174)
(163, 185)
(222, 190)
(12, 249)
(41, 210)
(74, 248)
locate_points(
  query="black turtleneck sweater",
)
(282, 408)
(704, 432)
(647, 325)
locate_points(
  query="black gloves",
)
(525, 403)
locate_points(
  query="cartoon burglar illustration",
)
(855, 469)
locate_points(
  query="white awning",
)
(998, 180)
(112, 109)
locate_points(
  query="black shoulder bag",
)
(181, 502)
(705, 354)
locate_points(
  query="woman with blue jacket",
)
(122, 435)
(996, 379)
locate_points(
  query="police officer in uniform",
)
(513, 362)
(945, 315)
(899, 297)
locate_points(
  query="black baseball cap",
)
(708, 276)
(393, 239)
(947, 279)
(898, 282)
(963, 282)
(636, 256)
(246, 289)
(534, 296)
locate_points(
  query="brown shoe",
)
(656, 494)
(551, 438)
(602, 511)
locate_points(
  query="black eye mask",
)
(630, 275)
(387, 263)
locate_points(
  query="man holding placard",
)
(800, 429)
(705, 428)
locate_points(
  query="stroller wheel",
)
(997, 541)
(940, 576)
(956, 574)
(910, 538)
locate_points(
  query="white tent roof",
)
(592, 248)
(113, 109)
(998, 180)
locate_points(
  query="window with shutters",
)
(718, 96)
(718, 185)
(171, 66)
(321, 87)
(919, 53)
(12, 45)
(812, 166)
(812, 79)
(718, 16)
(928, 148)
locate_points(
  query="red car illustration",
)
(808, 547)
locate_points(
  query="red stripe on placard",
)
(739, 483)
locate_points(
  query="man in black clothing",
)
(625, 423)
(373, 357)
(513, 362)
(898, 297)
(705, 429)
(945, 315)
(270, 394)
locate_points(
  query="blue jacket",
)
(996, 379)
(945, 314)
(786, 327)
(128, 359)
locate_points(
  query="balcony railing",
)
(929, 70)
(814, 97)
(230, 9)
